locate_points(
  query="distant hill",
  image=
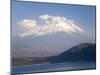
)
(82, 52)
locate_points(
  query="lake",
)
(68, 66)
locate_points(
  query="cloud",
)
(52, 24)
(28, 24)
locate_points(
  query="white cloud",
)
(28, 24)
(52, 24)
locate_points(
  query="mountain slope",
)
(51, 24)
(82, 52)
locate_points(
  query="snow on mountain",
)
(51, 24)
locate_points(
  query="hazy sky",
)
(48, 29)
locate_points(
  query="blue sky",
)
(83, 16)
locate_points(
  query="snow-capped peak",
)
(52, 24)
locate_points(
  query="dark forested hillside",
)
(82, 52)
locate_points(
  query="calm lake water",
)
(54, 67)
